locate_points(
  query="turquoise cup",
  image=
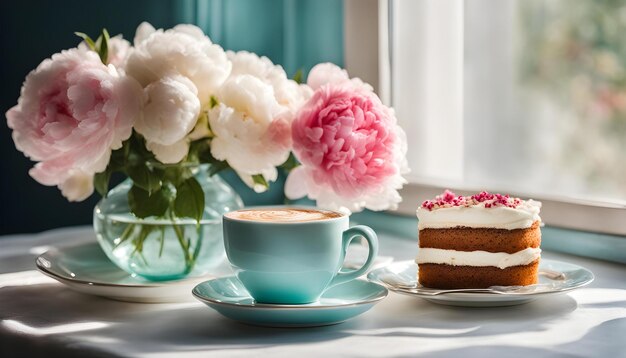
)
(293, 262)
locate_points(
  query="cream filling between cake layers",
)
(501, 260)
(478, 216)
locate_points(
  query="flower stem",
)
(162, 239)
(126, 234)
(180, 235)
(200, 236)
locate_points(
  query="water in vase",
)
(157, 249)
(165, 248)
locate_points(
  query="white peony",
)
(250, 130)
(170, 113)
(183, 50)
(289, 94)
(119, 49)
(144, 30)
(252, 122)
(180, 69)
(169, 154)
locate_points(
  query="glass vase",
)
(161, 248)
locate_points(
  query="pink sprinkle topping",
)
(448, 199)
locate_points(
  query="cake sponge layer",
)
(448, 277)
(481, 239)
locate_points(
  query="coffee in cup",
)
(283, 215)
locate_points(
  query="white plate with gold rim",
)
(555, 277)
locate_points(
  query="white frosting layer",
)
(477, 216)
(477, 258)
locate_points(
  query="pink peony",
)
(72, 112)
(351, 149)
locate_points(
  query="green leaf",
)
(101, 182)
(103, 51)
(137, 151)
(217, 167)
(176, 174)
(118, 158)
(135, 162)
(258, 179)
(213, 102)
(189, 200)
(145, 177)
(290, 164)
(143, 204)
(87, 40)
(199, 151)
(117, 163)
(298, 76)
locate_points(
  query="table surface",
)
(39, 316)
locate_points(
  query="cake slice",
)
(478, 241)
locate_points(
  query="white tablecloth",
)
(39, 316)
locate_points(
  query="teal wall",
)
(293, 33)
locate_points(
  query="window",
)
(519, 96)
(527, 95)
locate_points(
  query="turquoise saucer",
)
(227, 296)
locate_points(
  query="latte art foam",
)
(287, 215)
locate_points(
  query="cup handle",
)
(372, 242)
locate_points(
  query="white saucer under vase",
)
(86, 269)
